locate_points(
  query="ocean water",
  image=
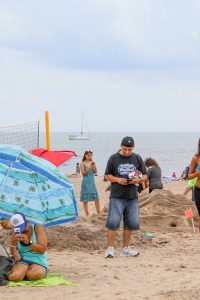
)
(173, 151)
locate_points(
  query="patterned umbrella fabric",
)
(34, 187)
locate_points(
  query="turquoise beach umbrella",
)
(34, 187)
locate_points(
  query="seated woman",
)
(153, 174)
(28, 248)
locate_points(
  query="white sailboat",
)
(81, 136)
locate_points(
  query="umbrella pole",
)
(47, 130)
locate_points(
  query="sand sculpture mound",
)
(164, 211)
(161, 211)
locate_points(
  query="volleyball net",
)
(25, 135)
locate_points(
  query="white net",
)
(25, 135)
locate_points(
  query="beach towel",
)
(49, 280)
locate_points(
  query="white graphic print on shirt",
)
(125, 169)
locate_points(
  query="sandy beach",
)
(94, 90)
(167, 267)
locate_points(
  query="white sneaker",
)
(110, 252)
(128, 251)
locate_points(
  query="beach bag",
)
(192, 182)
(7, 264)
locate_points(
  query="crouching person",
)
(28, 248)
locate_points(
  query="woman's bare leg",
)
(85, 206)
(97, 205)
(18, 273)
(35, 272)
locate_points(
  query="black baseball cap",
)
(127, 141)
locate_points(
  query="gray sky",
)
(131, 65)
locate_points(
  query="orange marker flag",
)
(188, 213)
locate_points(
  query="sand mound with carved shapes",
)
(165, 211)
(160, 211)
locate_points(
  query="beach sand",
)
(167, 267)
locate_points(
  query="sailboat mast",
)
(80, 136)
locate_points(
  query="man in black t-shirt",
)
(124, 196)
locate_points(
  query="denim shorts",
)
(29, 263)
(130, 211)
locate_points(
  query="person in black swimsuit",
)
(194, 172)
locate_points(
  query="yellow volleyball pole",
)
(48, 146)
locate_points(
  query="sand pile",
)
(85, 235)
(160, 211)
(77, 236)
(163, 210)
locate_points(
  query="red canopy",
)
(57, 158)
